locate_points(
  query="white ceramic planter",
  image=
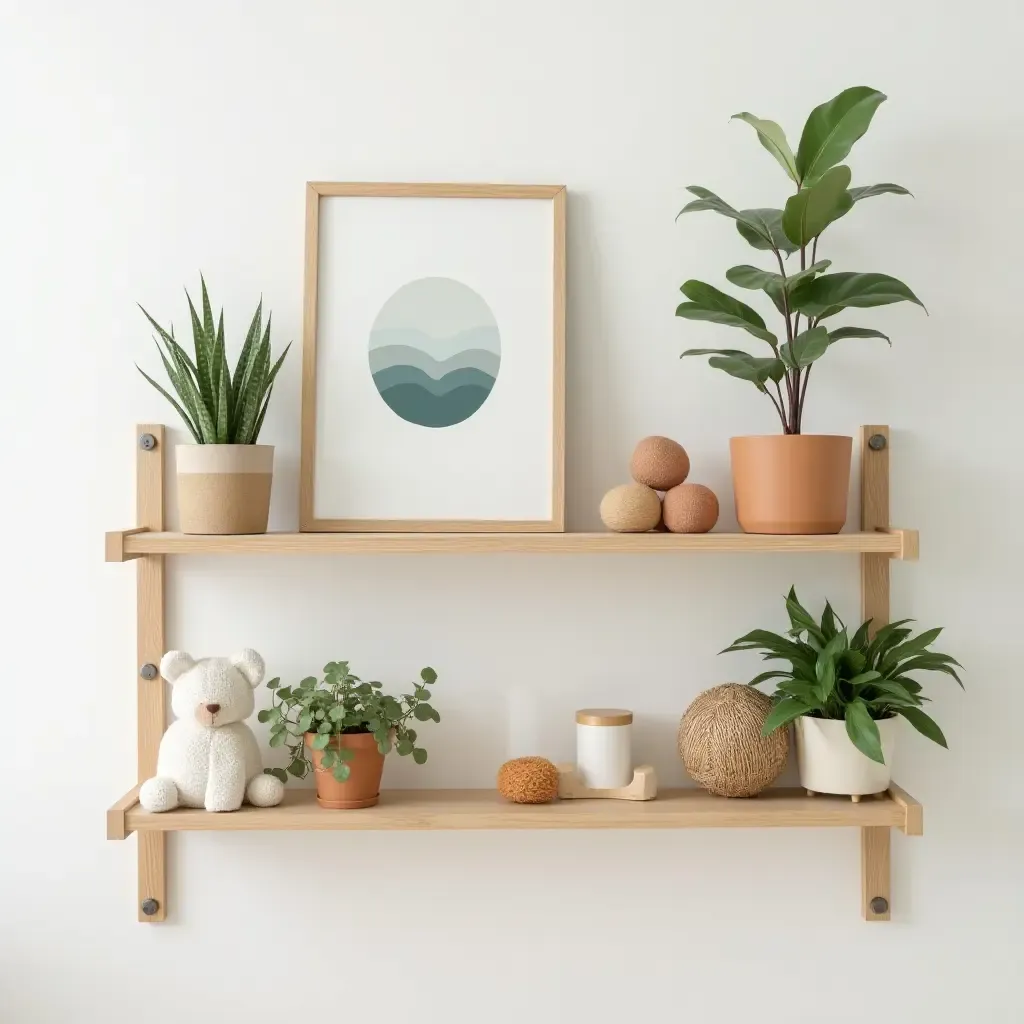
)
(224, 488)
(830, 763)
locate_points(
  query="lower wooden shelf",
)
(425, 809)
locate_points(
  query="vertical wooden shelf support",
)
(152, 718)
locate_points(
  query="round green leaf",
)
(320, 741)
(341, 771)
(263, 716)
(419, 755)
(297, 768)
(428, 675)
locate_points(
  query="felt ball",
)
(721, 744)
(528, 780)
(631, 508)
(690, 508)
(659, 462)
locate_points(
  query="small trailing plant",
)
(859, 679)
(216, 406)
(807, 297)
(342, 704)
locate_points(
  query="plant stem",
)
(803, 395)
(786, 426)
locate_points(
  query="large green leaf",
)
(832, 129)
(924, 724)
(177, 408)
(909, 648)
(773, 138)
(762, 228)
(812, 209)
(746, 276)
(708, 303)
(715, 352)
(856, 332)
(830, 293)
(757, 371)
(863, 732)
(806, 348)
(783, 713)
(859, 192)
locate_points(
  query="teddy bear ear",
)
(250, 664)
(176, 663)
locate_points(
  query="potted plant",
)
(224, 479)
(846, 694)
(795, 482)
(347, 726)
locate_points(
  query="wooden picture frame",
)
(554, 522)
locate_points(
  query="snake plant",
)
(218, 407)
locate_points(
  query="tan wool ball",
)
(721, 744)
(528, 780)
(690, 508)
(631, 508)
(660, 463)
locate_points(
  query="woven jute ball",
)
(690, 508)
(660, 463)
(528, 780)
(721, 744)
(631, 508)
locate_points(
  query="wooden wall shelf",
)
(876, 543)
(127, 544)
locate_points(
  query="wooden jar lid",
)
(604, 716)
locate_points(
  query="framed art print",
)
(433, 364)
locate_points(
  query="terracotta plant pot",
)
(362, 787)
(791, 483)
(224, 488)
(830, 763)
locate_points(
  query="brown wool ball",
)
(660, 463)
(631, 508)
(690, 508)
(528, 780)
(721, 744)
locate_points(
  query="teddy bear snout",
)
(213, 708)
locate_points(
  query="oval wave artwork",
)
(435, 352)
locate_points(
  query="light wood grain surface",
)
(874, 515)
(874, 871)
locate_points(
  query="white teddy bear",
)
(209, 756)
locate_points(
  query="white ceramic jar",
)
(604, 756)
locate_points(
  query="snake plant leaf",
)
(252, 396)
(830, 293)
(177, 408)
(859, 192)
(204, 366)
(757, 371)
(806, 347)
(708, 303)
(207, 311)
(762, 228)
(171, 343)
(773, 138)
(812, 209)
(856, 332)
(924, 724)
(245, 356)
(862, 730)
(178, 377)
(831, 130)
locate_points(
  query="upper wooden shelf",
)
(125, 544)
(426, 809)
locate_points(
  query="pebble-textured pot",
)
(224, 488)
(362, 787)
(631, 508)
(659, 462)
(690, 508)
(791, 483)
(830, 763)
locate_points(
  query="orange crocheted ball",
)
(660, 463)
(528, 780)
(690, 508)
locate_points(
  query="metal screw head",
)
(876, 442)
(149, 671)
(150, 906)
(147, 442)
(879, 905)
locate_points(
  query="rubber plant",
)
(342, 704)
(860, 679)
(218, 407)
(808, 296)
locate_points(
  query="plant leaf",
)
(419, 755)
(716, 352)
(245, 356)
(807, 346)
(817, 296)
(773, 138)
(782, 713)
(863, 732)
(177, 408)
(762, 228)
(856, 332)
(859, 192)
(708, 303)
(909, 648)
(924, 724)
(757, 371)
(320, 740)
(831, 130)
(812, 209)
(765, 676)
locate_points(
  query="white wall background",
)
(141, 142)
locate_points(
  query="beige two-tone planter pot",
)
(830, 763)
(224, 488)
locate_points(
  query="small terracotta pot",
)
(224, 488)
(362, 787)
(791, 483)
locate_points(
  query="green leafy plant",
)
(859, 678)
(341, 704)
(809, 296)
(216, 406)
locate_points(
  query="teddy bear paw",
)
(157, 795)
(265, 791)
